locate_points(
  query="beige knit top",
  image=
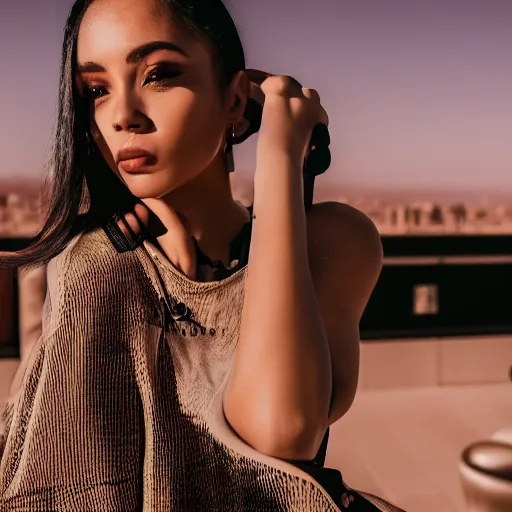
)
(120, 405)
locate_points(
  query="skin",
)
(166, 117)
(322, 266)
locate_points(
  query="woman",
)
(158, 384)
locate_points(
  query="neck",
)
(208, 210)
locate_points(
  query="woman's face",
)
(163, 98)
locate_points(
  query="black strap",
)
(319, 460)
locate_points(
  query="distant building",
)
(21, 216)
(402, 218)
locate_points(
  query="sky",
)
(418, 92)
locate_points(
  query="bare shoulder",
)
(341, 229)
(344, 246)
(341, 212)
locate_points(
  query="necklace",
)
(215, 270)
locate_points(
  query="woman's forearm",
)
(282, 379)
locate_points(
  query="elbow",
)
(273, 431)
(289, 440)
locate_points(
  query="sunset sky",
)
(419, 93)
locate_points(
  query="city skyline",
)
(418, 94)
(20, 214)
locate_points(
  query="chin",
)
(150, 186)
(159, 183)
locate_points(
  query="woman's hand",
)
(176, 243)
(290, 113)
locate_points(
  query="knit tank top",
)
(120, 406)
(206, 318)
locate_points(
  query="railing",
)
(9, 325)
(9, 300)
(429, 287)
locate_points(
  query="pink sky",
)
(419, 93)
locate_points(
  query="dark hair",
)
(79, 190)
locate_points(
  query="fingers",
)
(312, 94)
(178, 246)
(175, 241)
(282, 86)
(285, 82)
(142, 213)
(132, 223)
(129, 226)
(261, 81)
(276, 84)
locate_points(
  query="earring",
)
(228, 149)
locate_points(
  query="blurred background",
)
(419, 95)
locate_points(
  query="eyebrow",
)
(135, 55)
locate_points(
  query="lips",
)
(135, 159)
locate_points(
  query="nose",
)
(129, 117)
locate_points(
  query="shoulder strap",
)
(309, 185)
(319, 460)
(153, 274)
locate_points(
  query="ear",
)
(238, 94)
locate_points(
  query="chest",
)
(202, 335)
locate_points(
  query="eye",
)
(95, 92)
(158, 76)
(161, 74)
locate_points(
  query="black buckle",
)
(119, 240)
